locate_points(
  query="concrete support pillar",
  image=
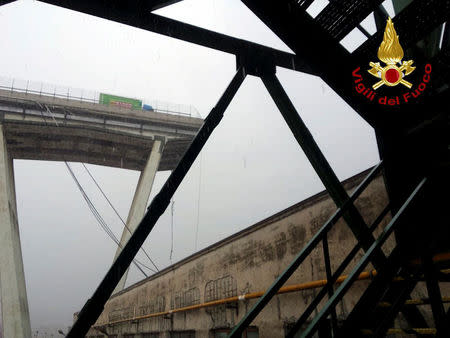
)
(14, 303)
(140, 200)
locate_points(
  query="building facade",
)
(174, 302)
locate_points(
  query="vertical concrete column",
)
(140, 200)
(15, 315)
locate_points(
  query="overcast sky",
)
(251, 168)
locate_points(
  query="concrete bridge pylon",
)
(140, 199)
(52, 128)
(15, 315)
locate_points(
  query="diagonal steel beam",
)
(320, 164)
(310, 42)
(94, 306)
(132, 14)
(335, 189)
(337, 272)
(408, 26)
(339, 17)
(153, 5)
(331, 61)
(434, 293)
(5, 2)
(396, 221)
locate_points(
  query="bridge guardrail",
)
(89, 96)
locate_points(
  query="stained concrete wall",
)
(246, 262)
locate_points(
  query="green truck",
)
(120, 101)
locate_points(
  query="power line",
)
(90, 204)
(198, 201)
(117, 213)
(171, 231)
(100, 219)
(88, 201)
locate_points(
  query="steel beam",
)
(4, 2)
(310, 42)
(408, 27)
(338, 272)
(130, 13)
(153, 5)
(329, 286)
(301, 256)
(320, 164)
(434, 293)
(343, 288)
(94, 306)
(330, 60)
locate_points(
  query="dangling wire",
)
(91, 206)
(171, 230)
(117, 213)
(198, 201)
(101, 221)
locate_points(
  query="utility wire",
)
(91, 206)
(198, 201)
(117, 213)
(100, 219)
(171, 230)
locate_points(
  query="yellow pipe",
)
(441, 257)
(252, 295)
(285, 289)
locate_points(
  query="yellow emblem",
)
(391, 53)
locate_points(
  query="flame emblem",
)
(391, 53)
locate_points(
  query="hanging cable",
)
(171, 230)
(117, 213)
(91, 206)
(198, 201)
(100, 219)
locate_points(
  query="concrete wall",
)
(246, 262)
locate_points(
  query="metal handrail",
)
(332, 279)
(343, 288)
(304, 253)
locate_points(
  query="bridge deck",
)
(49, 128)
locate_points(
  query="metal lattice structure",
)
(413, 142)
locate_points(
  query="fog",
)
(250, 168)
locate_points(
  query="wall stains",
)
(185, 298)
(266, 252)
(122, 313)
(218, 315)
(297, 236)
(254, 258)
(157, 304)
(280, 245)
(319, 220)
(196, 273)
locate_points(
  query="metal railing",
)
(333, 296)
(88, 96)
(320, 236)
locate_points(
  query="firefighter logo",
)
(391, 53)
